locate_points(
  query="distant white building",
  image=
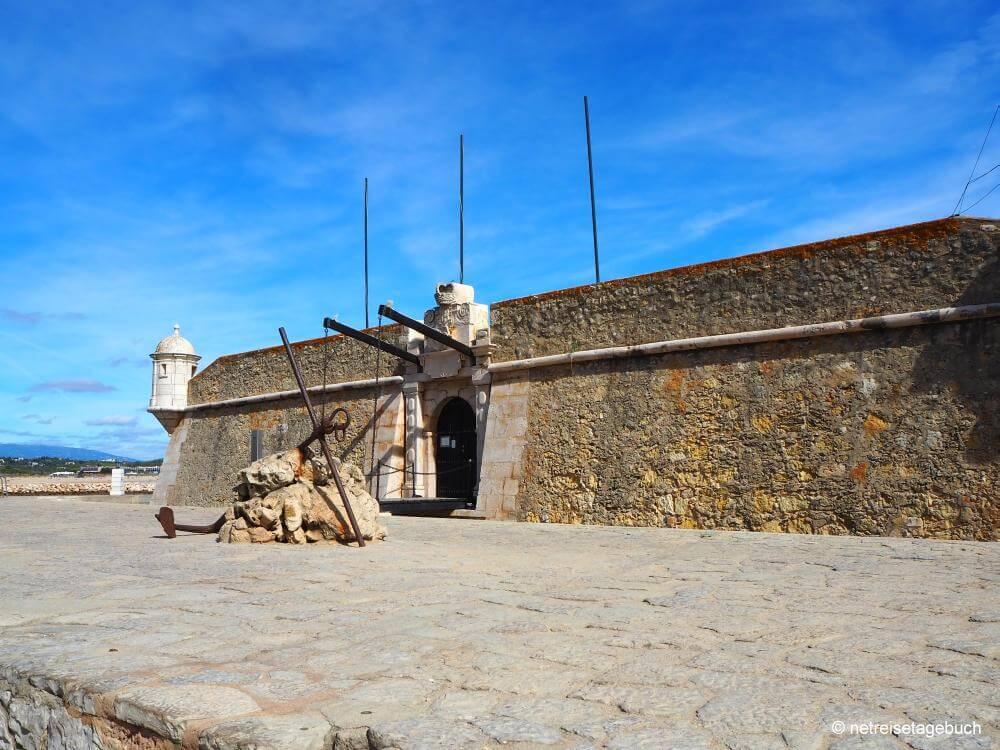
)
(174, 364)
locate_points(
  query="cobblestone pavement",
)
(479, 634)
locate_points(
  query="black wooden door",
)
(455, 450)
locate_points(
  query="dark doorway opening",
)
(455, 450)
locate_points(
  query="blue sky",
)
(202, 162)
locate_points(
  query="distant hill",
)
(16, 450)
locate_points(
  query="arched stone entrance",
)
(455, 450)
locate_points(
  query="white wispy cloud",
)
(707, 222)
(116, 420)
(72, 385)
(38, 419)
(35, 317)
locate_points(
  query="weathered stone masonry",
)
(881, 432)
(839, 435)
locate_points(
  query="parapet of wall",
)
(882, 433)
(935, 264)
(267, 370)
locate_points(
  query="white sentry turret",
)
(174, 364)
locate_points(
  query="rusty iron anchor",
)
(166, 518)
(328, 425)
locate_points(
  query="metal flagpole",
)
(461, 208)
(593, 203)
(366, 252)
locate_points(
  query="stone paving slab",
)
(475, 634)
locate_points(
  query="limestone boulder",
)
(326, 518)
(288, 497)
(354, 481)
(314, 470)
(269, 473)
(235, 531)
(260, 535)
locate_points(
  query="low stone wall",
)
(34, 718)
(888, 433)
(19, 487)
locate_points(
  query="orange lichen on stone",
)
(874, 424)
(264, 420)
(674, 386)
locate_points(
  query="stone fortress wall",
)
(881, 432)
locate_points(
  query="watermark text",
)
(911, 729)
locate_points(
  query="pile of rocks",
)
(286, 497)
